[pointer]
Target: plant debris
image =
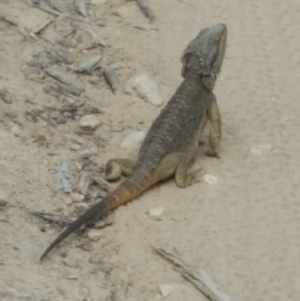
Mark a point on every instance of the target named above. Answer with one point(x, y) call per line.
point(197, 276)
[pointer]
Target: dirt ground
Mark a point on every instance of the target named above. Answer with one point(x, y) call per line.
point(244, 230)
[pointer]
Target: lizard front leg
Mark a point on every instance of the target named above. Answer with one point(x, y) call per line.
point(215, 132)
point(115, 167)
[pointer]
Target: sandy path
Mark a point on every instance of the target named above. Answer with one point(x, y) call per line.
point(244, 230)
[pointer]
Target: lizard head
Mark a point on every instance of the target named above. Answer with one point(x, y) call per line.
point(209, 46)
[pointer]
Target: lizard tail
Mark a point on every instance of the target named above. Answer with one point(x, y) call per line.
point(127, 191)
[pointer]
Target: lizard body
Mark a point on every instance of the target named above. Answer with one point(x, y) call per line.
point(172, 140)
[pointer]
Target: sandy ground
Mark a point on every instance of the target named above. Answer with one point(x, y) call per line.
point(244, 230)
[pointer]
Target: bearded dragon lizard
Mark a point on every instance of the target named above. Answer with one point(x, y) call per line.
point(172, 140)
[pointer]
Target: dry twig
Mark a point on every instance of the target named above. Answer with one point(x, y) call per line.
point(90, 65)
point(112, 79)
point(53, 6)
point(80, 7)
point(48, 217)
point(42, 27)
point(64, 83)
point(4, 19)
point(57, 13)
point(96, 40)
point(144, 7)
point(198, 277)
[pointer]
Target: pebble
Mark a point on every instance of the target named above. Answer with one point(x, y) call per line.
point(166, 290)
point(255, 151)
point(84, 153)
point(82, 206)
point(144, 87)
point(156, 213)
point(210, 179)
point(265, 147)
point(37, 109)
point(89, 122)
point(68, 200)
point(133, 140)
point(16, 130)
point(94, 235)
point(77, 197)
point(71, 263)
point(70, 100)
point(72, 277)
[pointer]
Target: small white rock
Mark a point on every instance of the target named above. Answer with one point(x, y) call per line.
point(265, 147)
point(156, 213)
point(144, 87)
point(133, 140)
point(82, 206)
point(68, 200)
point(166, 290)
point(16, 130)
point(90, 122)
point(255, 151)
point(94, 235)
point(37, 109)
point(77, 197)
point(210, 179)
point(70, 100)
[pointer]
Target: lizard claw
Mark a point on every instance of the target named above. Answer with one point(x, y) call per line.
point(193, 177)
point(112, 171)
point(212, 153)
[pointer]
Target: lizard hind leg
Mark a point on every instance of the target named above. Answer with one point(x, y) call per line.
point(183, 178)
point(116, 167)
point(167, 167)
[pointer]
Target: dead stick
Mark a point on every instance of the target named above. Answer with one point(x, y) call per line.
point(112, 79)
point(57, 13)
point(42, 27)
point(80, 6)
point(144, 7)
point(48, 217)
point(52, 6)
point(4, 19)
point(198, 277)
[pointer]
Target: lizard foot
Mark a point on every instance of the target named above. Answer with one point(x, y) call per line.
point(189, 179)
point(116, 167)
point(112, 171)
point(212, 153)
point(193, 177)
